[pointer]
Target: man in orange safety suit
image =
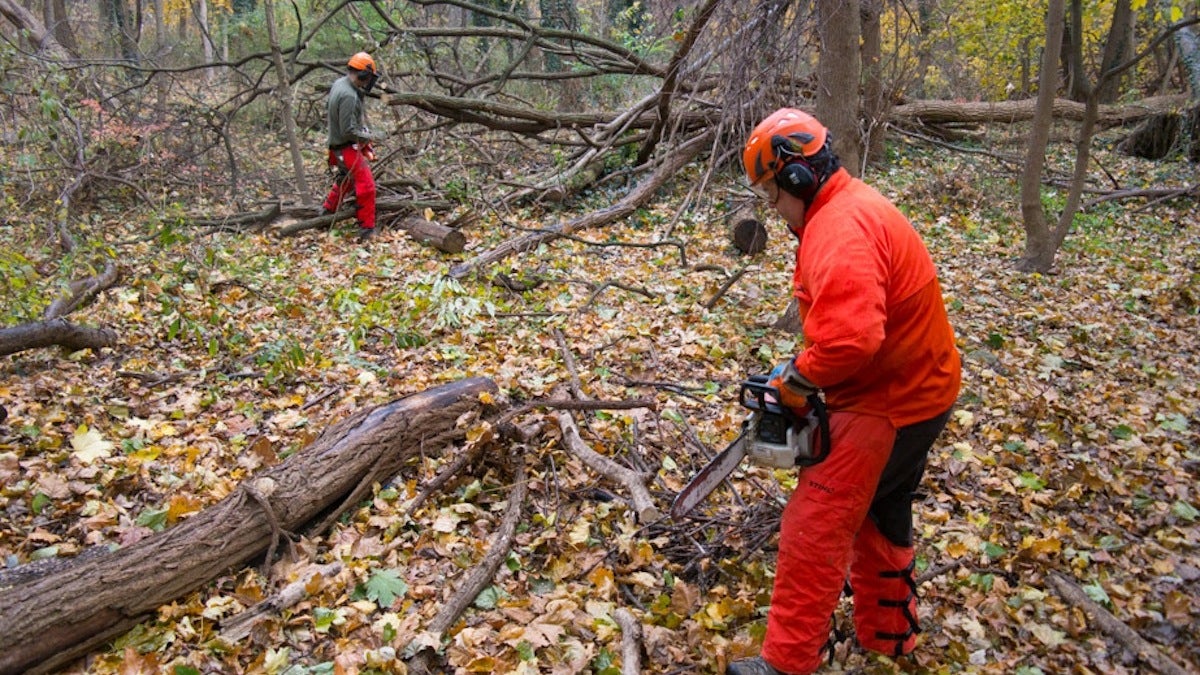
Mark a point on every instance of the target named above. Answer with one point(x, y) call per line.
point(878, 344)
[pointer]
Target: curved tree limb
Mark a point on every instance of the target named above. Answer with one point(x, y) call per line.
point(1112, 626)
point(82, 292)
point(633, 481)
point(627, 205)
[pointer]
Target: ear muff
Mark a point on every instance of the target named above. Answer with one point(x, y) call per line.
point(796, 178)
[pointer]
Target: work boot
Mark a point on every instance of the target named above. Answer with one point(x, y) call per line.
point(365, 234)
point(754, 666)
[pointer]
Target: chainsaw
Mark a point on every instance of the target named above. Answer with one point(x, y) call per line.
point(772, 436)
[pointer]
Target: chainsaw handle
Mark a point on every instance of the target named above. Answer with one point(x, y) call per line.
point(754, 396)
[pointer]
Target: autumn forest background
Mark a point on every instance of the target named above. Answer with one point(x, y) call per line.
point(235, 438)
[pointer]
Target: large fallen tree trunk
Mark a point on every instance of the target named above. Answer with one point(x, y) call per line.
point(51, 620)
point(979, 112)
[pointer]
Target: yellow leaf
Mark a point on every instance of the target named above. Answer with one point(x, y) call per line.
point(1047, 635)
point(428, 213)
point(580, 532)
point(89, 445)
point(276, 660)
point(181, 505)
point(957, 549)
point(603, 583)
point(482, 664)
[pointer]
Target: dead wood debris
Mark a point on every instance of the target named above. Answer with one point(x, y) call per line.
point(1112, 626)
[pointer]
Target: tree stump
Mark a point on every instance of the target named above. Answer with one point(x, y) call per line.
point(1155, 137)
point(789, 322)
point(50, 620)
point(748, 232)
point(446, 239)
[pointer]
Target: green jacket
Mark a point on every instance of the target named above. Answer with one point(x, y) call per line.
point(346, 121)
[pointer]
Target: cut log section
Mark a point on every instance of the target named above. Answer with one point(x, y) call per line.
point(50, 620)
point(748, 232)
point(446, 239)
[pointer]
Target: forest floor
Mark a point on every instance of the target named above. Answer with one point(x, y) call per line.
point(1075, 447)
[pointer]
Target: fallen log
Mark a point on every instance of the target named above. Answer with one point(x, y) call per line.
point(446, 239)
point(383, 207)
point(50, 621)
point(54, 332)
point(978, 112)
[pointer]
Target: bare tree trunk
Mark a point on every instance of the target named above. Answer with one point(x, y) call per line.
point(50, 620)
point(286, 101)
point(205, 37)
point(57, 21)
point(926, 30)
point(1117, 49)
point(1039, 249)
point(875, 103)
point(1189, 52)
point(38, 35)
point(1073, 52)
point(838, 72)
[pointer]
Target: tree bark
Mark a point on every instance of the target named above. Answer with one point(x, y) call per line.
point(944, 112)
point(51, 620)
point(54, 332)
point(286, 95)
point(42, 39)
point(1189, 51)
point(1039, 250)
point(875, 101)
point(439, 236)
point(839, 28)
point(1112, 626)
point(1118, 48)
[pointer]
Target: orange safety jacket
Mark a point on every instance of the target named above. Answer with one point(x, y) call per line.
point(876, 335)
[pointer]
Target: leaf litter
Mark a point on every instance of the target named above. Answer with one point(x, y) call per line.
point(1074, 447)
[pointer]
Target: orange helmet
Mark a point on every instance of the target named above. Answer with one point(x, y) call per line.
point(363, 61)
point(785, 133)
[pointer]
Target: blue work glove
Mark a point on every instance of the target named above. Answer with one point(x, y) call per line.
point(794, 388)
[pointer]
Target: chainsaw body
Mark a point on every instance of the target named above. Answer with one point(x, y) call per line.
point(775, 436)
